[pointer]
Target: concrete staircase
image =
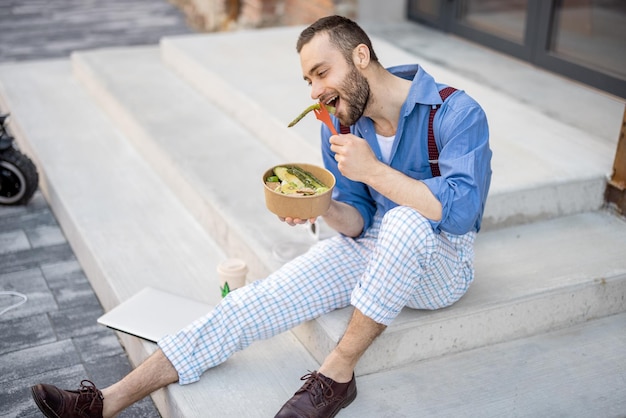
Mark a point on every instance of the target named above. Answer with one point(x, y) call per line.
point(151, 158)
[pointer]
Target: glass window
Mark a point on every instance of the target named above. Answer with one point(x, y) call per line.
point(502, 18)
point(591, 33)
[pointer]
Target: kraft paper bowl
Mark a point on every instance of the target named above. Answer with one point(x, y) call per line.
point(295, 206)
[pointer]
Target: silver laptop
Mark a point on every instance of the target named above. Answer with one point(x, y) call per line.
point(153, 313)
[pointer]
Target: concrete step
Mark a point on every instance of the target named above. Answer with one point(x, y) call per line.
point(543, 167)
point(569, 372)
point(212, 164)
point(255, 382)
point(126, 226)
point(566, 373)
point(529, 279)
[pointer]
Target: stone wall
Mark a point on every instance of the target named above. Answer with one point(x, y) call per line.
point(223, 15)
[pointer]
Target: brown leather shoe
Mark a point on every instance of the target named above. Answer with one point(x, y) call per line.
point(319, 397)
point(86, 402)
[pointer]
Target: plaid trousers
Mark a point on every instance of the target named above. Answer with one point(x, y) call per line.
point(399, 262)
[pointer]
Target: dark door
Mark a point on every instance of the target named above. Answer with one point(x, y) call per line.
point(581, 39)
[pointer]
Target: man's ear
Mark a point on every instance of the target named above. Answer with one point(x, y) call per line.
point(361, 56)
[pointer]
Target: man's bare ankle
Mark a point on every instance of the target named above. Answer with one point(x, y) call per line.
point(336, 368)
point(108, 404)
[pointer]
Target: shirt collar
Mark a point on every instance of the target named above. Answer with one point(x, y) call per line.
point(423, 90)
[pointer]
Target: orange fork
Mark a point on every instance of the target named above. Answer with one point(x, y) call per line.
point(323, 115)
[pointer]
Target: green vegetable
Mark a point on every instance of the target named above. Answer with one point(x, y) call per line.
point(272, 179)
point(283, 174)
point(290, 184)
point(309, 180)
point(294, 180)
point(310, 109)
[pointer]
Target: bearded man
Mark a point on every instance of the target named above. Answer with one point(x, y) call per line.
point(406, 224)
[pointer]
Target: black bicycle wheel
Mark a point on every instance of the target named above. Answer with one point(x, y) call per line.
point(18, 178)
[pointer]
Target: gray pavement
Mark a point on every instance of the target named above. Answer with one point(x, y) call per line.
point(35, 29)
point(54, 335)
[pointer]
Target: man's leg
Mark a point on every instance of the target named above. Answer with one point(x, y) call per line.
point(360, 334)
point(411, 265)
point(153, 374)
point(403, 250)
point(311, 285)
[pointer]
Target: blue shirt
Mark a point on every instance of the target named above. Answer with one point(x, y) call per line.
point(462, 137)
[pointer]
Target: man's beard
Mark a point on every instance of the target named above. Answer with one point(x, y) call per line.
point(356, 94)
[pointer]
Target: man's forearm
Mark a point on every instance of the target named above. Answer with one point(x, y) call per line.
point(344, 219)
point(405, 191)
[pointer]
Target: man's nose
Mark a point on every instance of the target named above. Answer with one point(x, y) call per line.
point(316, 90)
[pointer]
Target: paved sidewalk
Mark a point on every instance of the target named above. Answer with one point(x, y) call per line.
point(36, 29)
point(54, 337)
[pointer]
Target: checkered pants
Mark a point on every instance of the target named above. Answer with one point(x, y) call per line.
point(399, 262)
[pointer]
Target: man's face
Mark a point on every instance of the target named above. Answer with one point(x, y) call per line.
point(333, 80)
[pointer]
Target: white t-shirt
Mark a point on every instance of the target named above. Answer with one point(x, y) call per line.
point(385, 143)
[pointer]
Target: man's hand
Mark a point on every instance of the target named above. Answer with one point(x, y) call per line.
point(354, 156)
point(297, 221)
point(341, 217)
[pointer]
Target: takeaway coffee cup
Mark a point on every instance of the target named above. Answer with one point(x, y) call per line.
point(232, 274)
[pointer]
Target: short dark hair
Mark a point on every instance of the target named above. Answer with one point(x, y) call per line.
point(344, 33)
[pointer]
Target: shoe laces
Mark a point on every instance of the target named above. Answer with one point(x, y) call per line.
point(89, 392)
point(317, 386)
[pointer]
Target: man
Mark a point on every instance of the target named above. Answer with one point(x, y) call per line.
point(406, 235)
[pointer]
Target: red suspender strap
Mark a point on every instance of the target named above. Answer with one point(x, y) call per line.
point(433, 152)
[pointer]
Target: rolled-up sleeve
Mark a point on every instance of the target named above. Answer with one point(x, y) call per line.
point(353, 193)
point(462, 134)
